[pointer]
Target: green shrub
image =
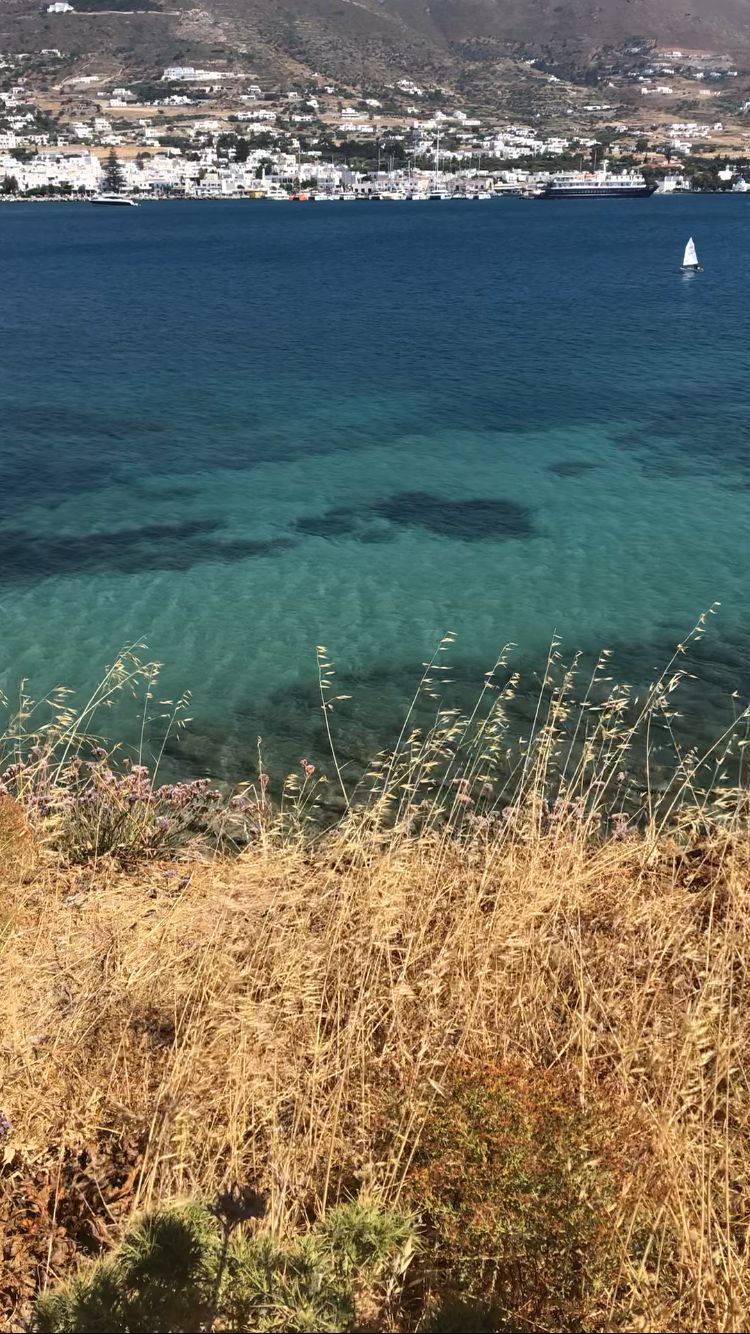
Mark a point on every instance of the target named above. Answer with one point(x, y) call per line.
point(515, 1202)
point(186, 1269)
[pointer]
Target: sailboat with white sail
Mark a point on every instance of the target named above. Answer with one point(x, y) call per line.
point(691, 263)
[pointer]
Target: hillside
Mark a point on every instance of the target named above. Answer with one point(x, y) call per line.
point(527, 1024)
point(356, 41)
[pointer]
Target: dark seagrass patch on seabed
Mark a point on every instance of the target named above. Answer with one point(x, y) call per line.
point(26, 557)
point(463, 520)
point(571, 467)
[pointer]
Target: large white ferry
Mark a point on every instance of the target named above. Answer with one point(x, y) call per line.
point(601, 184)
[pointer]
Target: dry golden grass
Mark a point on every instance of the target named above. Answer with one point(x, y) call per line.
point(248, 1023)
point(257, 1019)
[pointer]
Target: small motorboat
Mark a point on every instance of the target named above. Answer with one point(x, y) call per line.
point(116, 201)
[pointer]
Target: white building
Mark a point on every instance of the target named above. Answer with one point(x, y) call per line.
point(60, 7)
point(176, 73)
point(79, 170)
point(189, 74)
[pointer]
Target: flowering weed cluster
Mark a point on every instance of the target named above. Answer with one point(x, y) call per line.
point(90, 801)
point(90, 810)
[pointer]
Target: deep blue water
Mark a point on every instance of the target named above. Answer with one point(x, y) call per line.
point(240, 430)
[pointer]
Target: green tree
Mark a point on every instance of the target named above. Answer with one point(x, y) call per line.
point(226, 144)
point(10, 185)
point(113, 179)
point(705, 181)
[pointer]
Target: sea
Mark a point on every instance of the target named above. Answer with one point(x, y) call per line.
point(237, 431)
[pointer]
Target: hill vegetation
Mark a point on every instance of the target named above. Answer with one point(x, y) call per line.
point(450, 42)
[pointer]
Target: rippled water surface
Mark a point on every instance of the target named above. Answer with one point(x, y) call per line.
point(240, 430)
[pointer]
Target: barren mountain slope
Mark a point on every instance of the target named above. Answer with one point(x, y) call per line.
point(367, 40)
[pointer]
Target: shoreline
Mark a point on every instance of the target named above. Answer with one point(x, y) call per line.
point(323, 199)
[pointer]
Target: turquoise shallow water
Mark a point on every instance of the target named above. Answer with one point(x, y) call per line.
point(240, 430)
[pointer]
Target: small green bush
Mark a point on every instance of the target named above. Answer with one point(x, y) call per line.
point(181, 1270)
point(515, 1202)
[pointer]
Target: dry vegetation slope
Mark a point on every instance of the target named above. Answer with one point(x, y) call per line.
point(262, 1020)
point(371, 39)
point(442, 25)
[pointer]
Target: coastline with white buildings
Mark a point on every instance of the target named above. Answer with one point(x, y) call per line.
point(201, 133)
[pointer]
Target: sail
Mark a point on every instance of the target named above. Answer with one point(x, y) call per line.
point(691, 255)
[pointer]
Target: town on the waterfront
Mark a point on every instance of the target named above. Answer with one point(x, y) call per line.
point(218, 132)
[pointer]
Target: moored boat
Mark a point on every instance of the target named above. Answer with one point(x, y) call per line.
point(116, 201)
